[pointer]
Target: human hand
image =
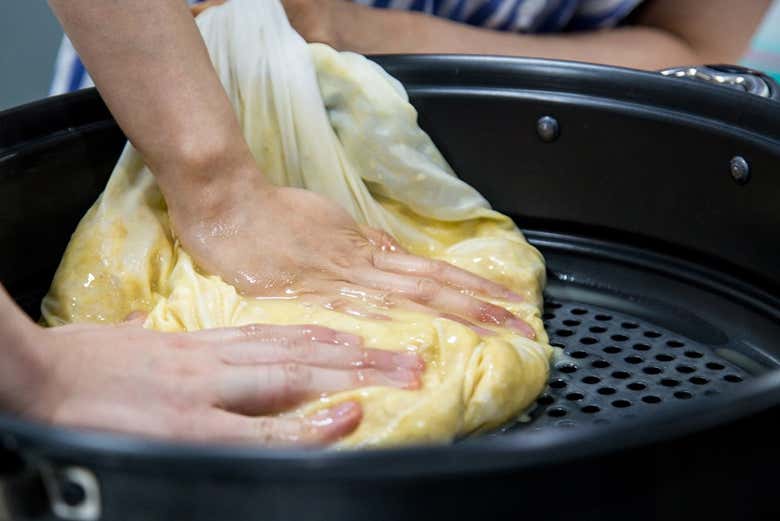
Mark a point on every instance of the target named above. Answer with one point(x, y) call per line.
point(275, 241)
point(211, 385)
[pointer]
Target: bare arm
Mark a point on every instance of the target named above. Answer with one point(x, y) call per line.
point(153, 70)
point(151, 66)
point(667, 33)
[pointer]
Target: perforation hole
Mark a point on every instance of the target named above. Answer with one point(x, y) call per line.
point(557, 412)
point(558, 384)
point(614, 355)
point(545, 399)
point(553, 305)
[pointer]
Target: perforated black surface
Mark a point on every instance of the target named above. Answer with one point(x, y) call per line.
point(616, 367)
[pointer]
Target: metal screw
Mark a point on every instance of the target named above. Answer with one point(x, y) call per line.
point(72, 493)
point(548, 129)
point(740, 170)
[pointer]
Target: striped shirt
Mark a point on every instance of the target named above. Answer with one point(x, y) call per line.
point(526, 16)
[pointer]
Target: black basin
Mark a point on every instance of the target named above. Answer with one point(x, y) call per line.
point(659, 258)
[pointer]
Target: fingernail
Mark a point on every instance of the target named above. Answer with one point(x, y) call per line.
point(408, 360)
point(405, 379)
point(521, 327)
point(513, 297)
point(331, 414)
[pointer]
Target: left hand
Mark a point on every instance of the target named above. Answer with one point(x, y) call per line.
point(273, 241)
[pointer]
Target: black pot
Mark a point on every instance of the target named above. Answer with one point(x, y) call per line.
point(654, 200)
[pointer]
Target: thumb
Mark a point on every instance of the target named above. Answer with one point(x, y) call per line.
point(136, 318)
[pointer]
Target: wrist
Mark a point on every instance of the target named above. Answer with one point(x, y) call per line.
point(22, 349)
point(205, 181)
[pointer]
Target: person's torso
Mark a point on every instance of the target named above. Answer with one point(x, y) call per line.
point(529, 16)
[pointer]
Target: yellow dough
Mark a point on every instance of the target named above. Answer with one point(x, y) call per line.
point(337, 124)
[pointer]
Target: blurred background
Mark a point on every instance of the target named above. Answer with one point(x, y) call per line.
point(30, 37)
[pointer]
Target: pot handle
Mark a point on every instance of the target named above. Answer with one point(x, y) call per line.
point(731, 76)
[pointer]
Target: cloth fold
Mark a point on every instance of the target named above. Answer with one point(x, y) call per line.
point(337, 124)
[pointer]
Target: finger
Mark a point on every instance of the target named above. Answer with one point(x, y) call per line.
point(202, 6)
point(284, 335)
point(324, 427)
point(317, 355)
point(477, 329)
point(136, 318)
point(270, 388)
point(348, 308)
point(387, 300)
point(434, 294)
point(442, 272)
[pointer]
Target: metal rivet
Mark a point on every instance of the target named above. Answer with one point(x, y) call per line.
point(73, 494)
point(548, 129)
point(740, 170)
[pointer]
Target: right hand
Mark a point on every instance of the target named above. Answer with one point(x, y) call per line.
point(211, 385)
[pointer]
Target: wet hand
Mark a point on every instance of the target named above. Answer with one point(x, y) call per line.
point(212, 385)
point(273, 241)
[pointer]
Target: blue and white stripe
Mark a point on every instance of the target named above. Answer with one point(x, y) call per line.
point(525, 16)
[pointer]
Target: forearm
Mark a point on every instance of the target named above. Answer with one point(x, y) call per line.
point(670, 33)
point(153, 70)
point(20, 360)
point(415, 33)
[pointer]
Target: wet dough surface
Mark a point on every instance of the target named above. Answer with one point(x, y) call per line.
point(337, 124)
